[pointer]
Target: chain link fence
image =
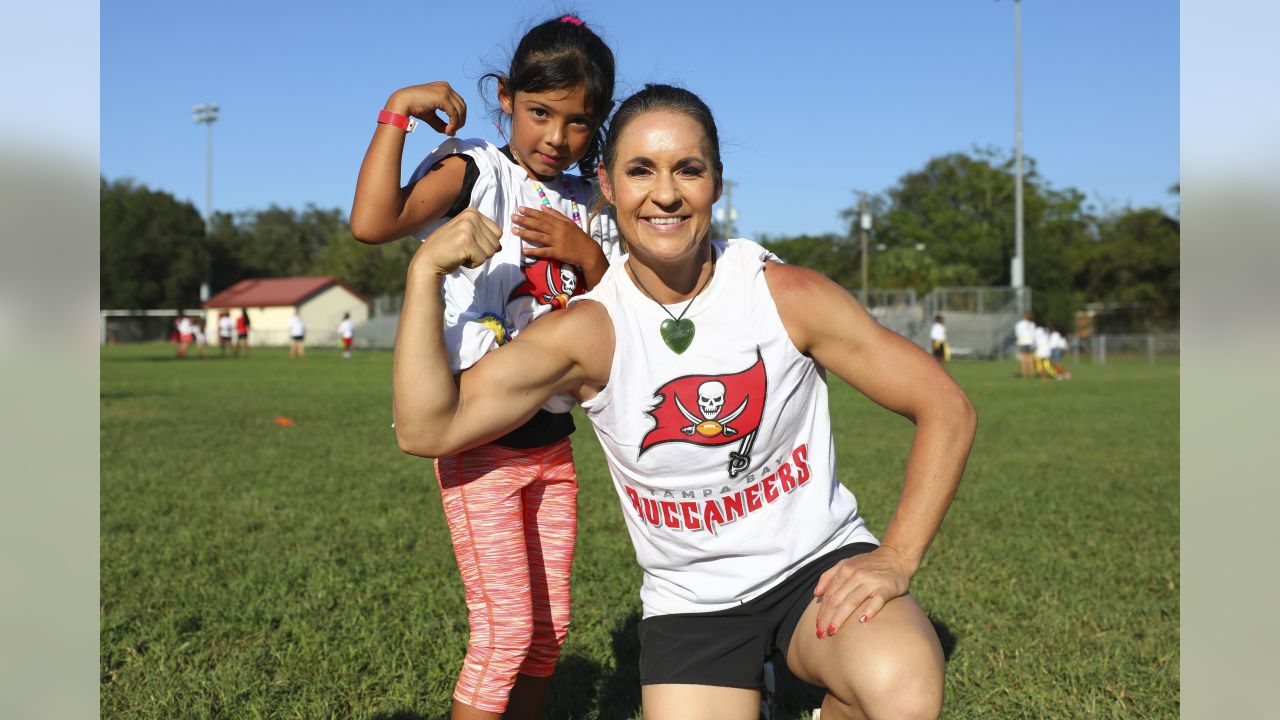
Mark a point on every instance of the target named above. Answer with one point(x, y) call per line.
point(1149, 345)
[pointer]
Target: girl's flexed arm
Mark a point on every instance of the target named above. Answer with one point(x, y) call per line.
point(383, 211)
point(437, 414)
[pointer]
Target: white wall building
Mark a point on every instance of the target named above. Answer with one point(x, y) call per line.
point(270, 302)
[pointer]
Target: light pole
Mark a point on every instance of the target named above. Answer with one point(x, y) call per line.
point(207, 114)
point(728, 214)
point(864, 226)
point(1016, 275)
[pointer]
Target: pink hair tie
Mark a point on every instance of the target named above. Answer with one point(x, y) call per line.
point(572, 20)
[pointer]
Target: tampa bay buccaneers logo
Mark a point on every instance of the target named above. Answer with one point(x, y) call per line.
point(711, 410)
point(549, 282)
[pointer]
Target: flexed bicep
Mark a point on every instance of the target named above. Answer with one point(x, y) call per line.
point(565, 352)
point(828, 324)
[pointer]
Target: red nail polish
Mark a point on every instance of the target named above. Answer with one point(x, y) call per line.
point(819, 633)
point(862, 619)
point(831, 629)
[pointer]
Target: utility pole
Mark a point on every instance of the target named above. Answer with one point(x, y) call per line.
point(1016, 272)
point(863, 225)
point(207, 114)
point(727, 213)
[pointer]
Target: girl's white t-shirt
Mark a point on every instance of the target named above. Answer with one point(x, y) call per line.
point(721, 456)
point(1025, 332)
point(511, 287)
point(1042, 342)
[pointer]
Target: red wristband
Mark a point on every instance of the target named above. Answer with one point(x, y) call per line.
point(406, 124)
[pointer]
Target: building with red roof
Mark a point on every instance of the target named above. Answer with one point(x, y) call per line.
point(270, 302)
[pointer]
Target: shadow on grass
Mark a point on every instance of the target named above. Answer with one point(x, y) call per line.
point(945, 637)
point(580, 686)
point(620, 694)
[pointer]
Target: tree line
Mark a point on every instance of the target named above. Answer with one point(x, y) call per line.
point(153, 249)
point(950, 223)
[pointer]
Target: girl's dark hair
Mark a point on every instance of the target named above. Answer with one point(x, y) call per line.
point(562, 54)
point(668, 98)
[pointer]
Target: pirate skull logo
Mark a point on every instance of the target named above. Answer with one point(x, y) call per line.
point(711, 397)
point(568, 281)
point(568, 286)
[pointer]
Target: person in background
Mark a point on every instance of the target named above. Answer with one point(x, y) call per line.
point(226, 332)
point(184, 334)
point(297, 335)
point(346, 331)
point(1024, 333)
point(1058, 346)
point(201, 340)
point(242, 333)
point(938, 334)
point(1044, 369)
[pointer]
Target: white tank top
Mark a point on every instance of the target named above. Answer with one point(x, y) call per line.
point(721, 456)
point(510, 287)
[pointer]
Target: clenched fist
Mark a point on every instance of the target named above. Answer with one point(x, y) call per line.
point(424, 101)
point(468, 240)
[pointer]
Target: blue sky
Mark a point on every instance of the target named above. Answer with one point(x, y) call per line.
point(814, 101)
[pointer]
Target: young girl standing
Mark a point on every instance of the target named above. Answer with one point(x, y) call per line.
point(511, 504)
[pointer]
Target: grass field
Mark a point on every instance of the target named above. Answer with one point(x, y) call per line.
point(251, 569)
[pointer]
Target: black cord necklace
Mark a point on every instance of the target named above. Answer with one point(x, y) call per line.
point(677, 332)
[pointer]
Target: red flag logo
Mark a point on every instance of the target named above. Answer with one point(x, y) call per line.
point(550, 282)
point(711, 410)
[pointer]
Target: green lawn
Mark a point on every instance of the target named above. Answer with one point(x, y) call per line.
point(251, 569)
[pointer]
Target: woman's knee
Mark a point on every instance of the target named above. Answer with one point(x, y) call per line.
point(904, 687)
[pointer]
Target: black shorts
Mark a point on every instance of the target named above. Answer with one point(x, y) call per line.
point(939, 348)
point(1026, 349)
point(727, 648)
point(297, 338)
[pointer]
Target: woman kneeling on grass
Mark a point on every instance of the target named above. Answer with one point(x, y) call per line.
point(700, 364)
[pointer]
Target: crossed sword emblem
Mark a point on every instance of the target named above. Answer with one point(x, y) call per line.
point(706, 427)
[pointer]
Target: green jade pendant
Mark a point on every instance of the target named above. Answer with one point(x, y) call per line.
point(677, 334)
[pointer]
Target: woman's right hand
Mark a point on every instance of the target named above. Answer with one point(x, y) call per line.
point(423, 101)
point(468, 240)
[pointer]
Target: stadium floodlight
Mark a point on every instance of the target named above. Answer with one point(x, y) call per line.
point(1019, 260)
point(207, 114)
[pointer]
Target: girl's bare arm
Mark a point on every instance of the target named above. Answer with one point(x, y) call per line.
point(383, 211)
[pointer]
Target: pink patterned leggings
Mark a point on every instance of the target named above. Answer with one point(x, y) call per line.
point(512, 516)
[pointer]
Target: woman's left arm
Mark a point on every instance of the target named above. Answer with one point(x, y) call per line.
point(829, 325)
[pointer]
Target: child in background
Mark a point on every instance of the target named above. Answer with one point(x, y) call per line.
point(297, 336)
point(226, 328)
point(1044, 369)
point(938, 336)
point(346, 331)
point(1024, 333)
point(1058, 346)
point(184, 334)
point(242, 332)
point(201, 340)
point(511, 504)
